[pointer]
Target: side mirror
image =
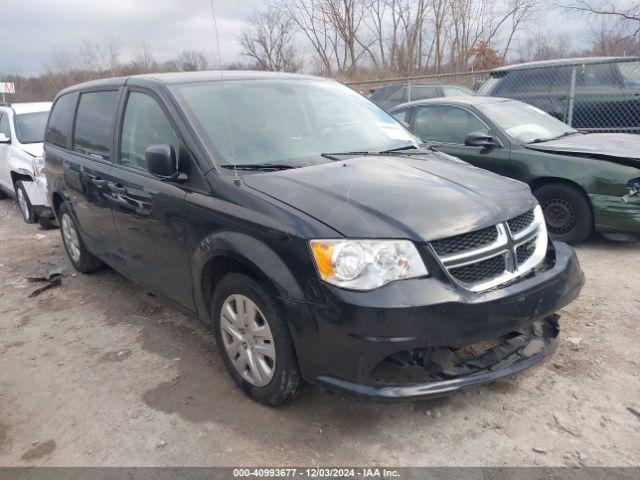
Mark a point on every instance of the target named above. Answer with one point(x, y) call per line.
point(483, 140)
point(161, 160)
point(4, 138)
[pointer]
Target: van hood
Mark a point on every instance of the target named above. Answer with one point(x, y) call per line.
point(621, 148)
point(33, 149)
point(421, 198)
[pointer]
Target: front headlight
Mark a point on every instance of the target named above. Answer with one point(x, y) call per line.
point(38, 166)
point(366, 264)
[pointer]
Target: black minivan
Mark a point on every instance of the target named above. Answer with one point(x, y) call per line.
point(317, 236)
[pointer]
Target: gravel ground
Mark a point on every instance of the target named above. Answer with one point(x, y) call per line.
point(98, 372)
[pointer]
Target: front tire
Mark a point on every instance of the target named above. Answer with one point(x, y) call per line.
point(566, 211)
point(81, 258)
point(254, 340)
point(26, 209)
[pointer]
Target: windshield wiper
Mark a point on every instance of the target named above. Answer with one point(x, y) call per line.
point(258, 166)
point(403, 150)
point(406, 150)
point(564, 134)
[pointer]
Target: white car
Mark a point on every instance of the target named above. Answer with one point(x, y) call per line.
point(22, 128)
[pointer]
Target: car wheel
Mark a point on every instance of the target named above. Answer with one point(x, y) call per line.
point(566, 211)
point(24, 203)
point(254, 340)
point(81, 258)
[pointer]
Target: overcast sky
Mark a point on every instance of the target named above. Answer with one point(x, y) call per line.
point(30, 30)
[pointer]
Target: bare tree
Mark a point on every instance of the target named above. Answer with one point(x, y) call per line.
point(627, 16)
point(521, 12)
point(269, 40)
point(191, 61)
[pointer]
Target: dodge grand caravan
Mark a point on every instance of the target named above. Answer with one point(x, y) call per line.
point(320, 239)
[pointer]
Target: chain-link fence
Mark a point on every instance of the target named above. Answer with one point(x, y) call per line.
point(592, 94)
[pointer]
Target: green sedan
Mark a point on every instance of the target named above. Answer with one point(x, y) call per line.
point(584, 182)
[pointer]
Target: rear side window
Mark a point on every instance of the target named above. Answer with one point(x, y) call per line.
point(60, 121)
point(93, 129)
point(420, 92)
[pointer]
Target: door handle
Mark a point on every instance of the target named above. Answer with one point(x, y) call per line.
point(117, 188)
point(99, 182)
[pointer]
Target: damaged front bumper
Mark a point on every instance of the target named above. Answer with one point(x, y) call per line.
point(616, 214)
point(441, 370)
point(426, 337)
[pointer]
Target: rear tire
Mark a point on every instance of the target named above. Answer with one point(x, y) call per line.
point(81, 258)
point(26, 209)
point(566, 211)
point(278, 377)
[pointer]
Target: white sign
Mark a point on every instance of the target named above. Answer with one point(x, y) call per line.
point(6, 87)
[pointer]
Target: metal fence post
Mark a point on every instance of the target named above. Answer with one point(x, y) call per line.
point(408, 90)
point(572, 92)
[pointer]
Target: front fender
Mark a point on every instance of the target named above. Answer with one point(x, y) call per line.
point(21, 164)
point(248, 251)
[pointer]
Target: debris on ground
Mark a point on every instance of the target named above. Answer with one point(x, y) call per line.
point(539, 450)
point(574, 343)
point(563, 427)
point(48, 273)
point(55, 282)
point(635, 411)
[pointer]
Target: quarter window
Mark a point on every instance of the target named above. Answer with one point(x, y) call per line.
point(144, 125)
point(446, 124)
point(4, 125)
point(60, 121)
point(401, 116)
point(94, 123)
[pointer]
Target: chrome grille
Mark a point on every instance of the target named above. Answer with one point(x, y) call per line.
point(466, 241)
point(520, 222)
point(495, 255)
point(524, 251)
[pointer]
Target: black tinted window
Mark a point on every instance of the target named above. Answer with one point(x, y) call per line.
point(420, 92)
point(446, 124)
point(397, 95)
point(537, 80)
point(60, 121)
point(94, 123)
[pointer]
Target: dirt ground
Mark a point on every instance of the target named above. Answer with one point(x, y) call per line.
point(98, 372)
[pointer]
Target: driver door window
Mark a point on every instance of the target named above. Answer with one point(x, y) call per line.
point(144, 125)
point(446, 124)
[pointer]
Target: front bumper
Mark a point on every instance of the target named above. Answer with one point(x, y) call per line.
point(37, 193)
point(613, 214)
point(348, 335)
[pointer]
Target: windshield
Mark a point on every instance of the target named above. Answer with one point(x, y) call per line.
point(630, 74)
point(288, 122)
point(524, 122)
point(30, 127)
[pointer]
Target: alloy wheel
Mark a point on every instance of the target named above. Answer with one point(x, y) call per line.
point(70, 236)
point(22, 203)
point(248, 340)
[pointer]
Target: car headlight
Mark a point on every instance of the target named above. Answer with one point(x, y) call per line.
point(366, 264)
point(633, 189)
point(38, 166)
